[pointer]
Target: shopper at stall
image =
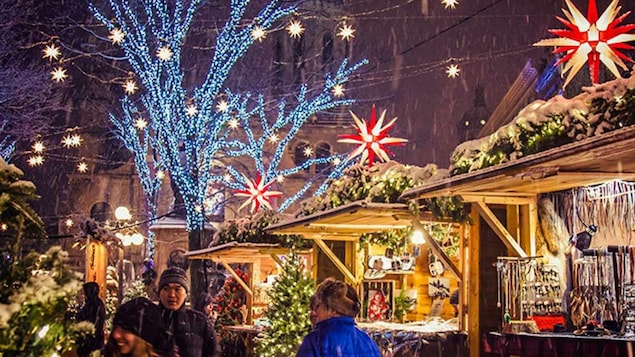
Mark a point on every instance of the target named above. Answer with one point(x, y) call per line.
point(192, 330)
point(137, 331)
point(205, 304)
point(336, 333)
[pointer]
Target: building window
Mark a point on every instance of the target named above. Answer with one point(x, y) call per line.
point(101, 212)
point(299, 157)
point(323, 150)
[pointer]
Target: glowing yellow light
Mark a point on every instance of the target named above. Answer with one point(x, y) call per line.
point(451, 4)
point(338, 90)
point(233, 123)
point(52, 52)
point(58, 74)
point(280, 179)
point(82, 167)
point(130, 86)
point(222, 106)
point(337, 161)
point(191, 110)
point(227, 178)
point(258, 33)
point(295, 29)
point(36, 160)
point(346, 32)
point(141, 123)
point(4, 226)
point(73, 140)
point(38, 147)
point(273, 138)
point(164, 53)
point(116, 36)
point(69, 222)
point(160, 175)
point(452, 71)
point(308, 151)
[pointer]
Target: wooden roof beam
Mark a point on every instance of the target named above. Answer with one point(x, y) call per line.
point(438, 251)
point(499, 229)
point(338, 263)
point(498, 200)
point(237, 277)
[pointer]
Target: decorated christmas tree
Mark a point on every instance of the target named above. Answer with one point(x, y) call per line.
point(228, 305)
point(288, 311)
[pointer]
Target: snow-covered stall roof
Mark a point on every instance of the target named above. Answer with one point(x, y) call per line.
point(235, 252)
point(586, 162)
point(350, 221)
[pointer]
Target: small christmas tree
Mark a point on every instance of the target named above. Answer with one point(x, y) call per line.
point(288, 311)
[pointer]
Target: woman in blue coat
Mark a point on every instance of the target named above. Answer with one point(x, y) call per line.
point(336, 333)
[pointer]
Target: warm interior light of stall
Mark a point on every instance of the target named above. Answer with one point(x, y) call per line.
point(417, 237)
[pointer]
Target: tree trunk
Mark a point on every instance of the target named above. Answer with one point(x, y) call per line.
point(197, 239)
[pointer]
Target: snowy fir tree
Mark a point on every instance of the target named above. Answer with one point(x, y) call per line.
point(189, 132)
point(288, 311)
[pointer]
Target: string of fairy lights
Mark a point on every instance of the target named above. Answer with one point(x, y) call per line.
point(225, 106)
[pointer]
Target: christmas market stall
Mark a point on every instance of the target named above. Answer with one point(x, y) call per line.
point(551, 200)
point(405, 282)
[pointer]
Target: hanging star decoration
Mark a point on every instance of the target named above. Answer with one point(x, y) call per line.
point(295, 29)
point(451, 4)
point(346, 32)
point(116, 36)
point(130, 87)
point(372, 138)
point(593, 39)
point(452, 71)
point(52, 52)
point(257, 193)
point(58, 74)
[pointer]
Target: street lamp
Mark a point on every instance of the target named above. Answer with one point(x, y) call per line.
point(128, 235)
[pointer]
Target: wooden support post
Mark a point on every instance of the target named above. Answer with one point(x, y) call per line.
point(235, 275)
point(473, 284)
point(437, 250)
point(336, 261)
point(499, 229)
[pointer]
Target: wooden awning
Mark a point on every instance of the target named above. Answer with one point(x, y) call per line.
point(587, 162)
point(234, 252)
point(349, 221)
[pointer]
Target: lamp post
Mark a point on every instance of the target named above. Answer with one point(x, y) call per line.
point(127, 235)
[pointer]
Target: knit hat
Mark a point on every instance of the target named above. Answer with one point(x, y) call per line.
point(143, 318)
point(174, 275)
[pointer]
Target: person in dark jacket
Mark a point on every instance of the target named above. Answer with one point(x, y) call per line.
point(93, 311)
point(193, 332)
point(336, 333)
point(138, 331)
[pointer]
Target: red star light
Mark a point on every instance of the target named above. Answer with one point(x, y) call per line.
point(257, 193)
point(593, 39)
point(372, 138)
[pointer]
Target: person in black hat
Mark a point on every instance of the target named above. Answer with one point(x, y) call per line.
point(137, 331)
point(93, 311)
point(193, 332)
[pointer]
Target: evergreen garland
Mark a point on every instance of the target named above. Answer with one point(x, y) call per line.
point(288, 311)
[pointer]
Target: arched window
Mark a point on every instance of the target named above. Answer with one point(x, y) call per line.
point(299, 156)
point(323, 150)
point(101, 212)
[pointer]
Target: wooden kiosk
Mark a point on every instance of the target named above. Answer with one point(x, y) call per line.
point(504, 198)
point(262, 260)
point(336, 236)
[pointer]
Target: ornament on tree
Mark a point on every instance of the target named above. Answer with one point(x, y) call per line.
point(257, 193)
point(372, 138)
point(593, 39)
